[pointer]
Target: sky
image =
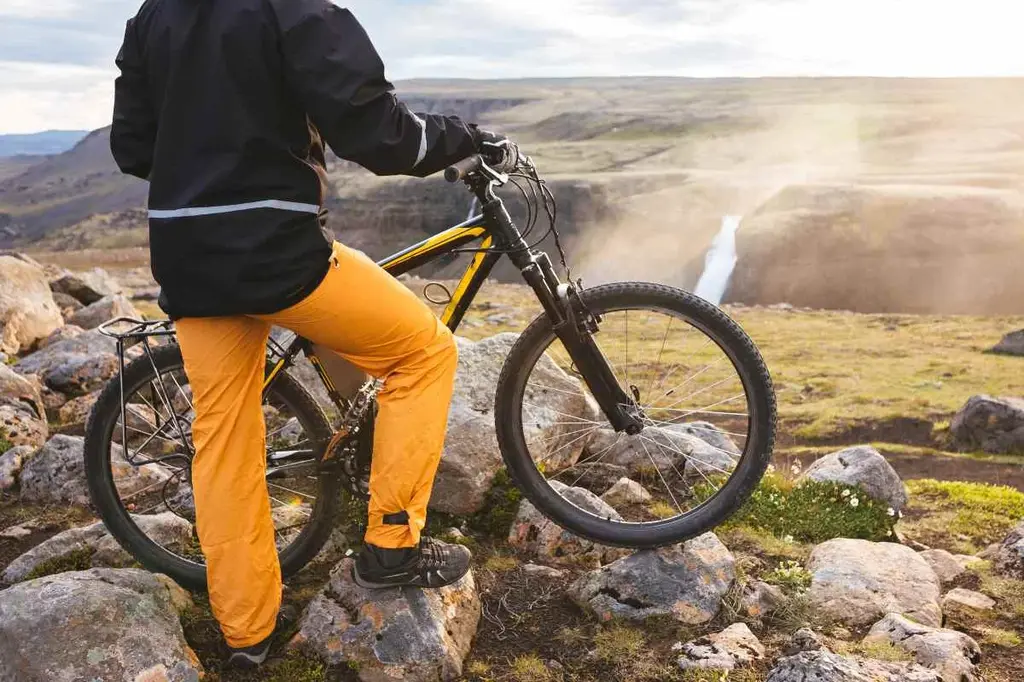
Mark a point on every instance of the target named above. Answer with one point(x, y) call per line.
point(56, 56)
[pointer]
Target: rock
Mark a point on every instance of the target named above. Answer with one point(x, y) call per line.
point(27, 310)
point(759, 599)
point(537, 571)
point(74, 366)
point(68, 331)
point(101, 624)
point(674, 453)
point(709, 433)
point(21, 392)
point(77, 411)
point(952, 654)
point(731, 648)
point(69, 305)
point(57, 473)
point(963, 602)
point(1008, 557)
point(995, 425)
point(804, 639)
point(1012, 344)
point(626, 492)
point(945, 565)
point(533, 533)
point(556, 402)
point(87, 287)
point(19, 427)
point(598, 475)
point(11, 463)
point(104, 310)
point(167, 530)
point(686, 582)
point(15, 532)
point(856, 582)
point(863, 466)
point(391, 634)
point(825, 666)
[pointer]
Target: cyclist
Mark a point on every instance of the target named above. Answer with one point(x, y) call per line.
point(225, 107)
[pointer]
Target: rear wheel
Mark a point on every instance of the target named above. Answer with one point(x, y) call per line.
point(708, 413)
point(143, 492)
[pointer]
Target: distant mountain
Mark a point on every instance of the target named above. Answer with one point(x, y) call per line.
point(36, 144)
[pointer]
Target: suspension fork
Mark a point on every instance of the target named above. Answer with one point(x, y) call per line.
point(572, 323)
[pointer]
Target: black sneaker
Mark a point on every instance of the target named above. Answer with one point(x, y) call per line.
point(254, 656)
point(432, 564)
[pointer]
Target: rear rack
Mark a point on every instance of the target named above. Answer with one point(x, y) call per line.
point(136, 329)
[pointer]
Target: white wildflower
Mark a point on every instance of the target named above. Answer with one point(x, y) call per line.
point(891, 511)
point(788, 538)
point(846, 493)
point(795, 468)
point(854, 501)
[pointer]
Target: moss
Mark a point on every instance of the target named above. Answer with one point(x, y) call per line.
point(5, 444)
point(501, 505)
point(501, 564)
point(618, 645)
point(662, 510)
point(742, 538)
point(790, 576)
point(979, 512)
point(1001, 638)
point(880, 651)
point(529, 668)
point(78, 560)
point(814, 511)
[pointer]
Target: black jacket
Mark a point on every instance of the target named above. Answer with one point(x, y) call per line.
point(224, 106)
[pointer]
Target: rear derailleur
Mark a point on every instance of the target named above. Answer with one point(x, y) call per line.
point(350, 449)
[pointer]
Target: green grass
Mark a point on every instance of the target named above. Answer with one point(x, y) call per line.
point(78, 560)
point(960, 516)
point(880, 651)
point(790, 576)
point(5, 444)
point(529, 668)
point(1001, 638)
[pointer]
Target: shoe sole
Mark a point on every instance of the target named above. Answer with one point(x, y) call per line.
point(370, 585)
point(248, 661)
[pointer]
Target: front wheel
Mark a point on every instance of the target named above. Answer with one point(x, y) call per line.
point(708, 411)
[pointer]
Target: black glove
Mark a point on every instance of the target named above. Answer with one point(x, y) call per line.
point(500, 153)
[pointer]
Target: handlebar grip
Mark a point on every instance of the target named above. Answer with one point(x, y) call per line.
point(458, 171)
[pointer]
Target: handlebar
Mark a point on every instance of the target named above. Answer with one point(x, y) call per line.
point(459, 171)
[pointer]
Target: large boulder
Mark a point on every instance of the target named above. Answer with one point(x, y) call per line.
point(856, 582)
point(86, 287)
point(104, 310)
point(75, 366)
point(11, 463)
point(391, 634)
point(167, 530)
point(1009, 558)
point(22, 392)
point(57, 473)
point(534, 534)
point(102, 624)
point(22, 427)
point(952, 654)
point(1012, 344)
point(994, 425)
point(729, 649)
point(686, 582)
point(557, 418)
point(27, 310)
point(709, 433)
point(672, 451)
point(863, 466)
point(825, 666)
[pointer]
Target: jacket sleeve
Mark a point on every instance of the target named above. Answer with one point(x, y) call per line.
point(339, 78)
point(133, 132)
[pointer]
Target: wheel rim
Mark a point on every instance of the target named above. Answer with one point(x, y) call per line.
point(699, 419)
point(151, 477)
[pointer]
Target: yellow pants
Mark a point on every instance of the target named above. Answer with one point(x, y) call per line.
point(381, 327)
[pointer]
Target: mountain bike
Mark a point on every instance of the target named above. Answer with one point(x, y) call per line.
point(633, 414)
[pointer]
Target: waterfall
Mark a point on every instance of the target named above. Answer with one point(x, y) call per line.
point(720, 262)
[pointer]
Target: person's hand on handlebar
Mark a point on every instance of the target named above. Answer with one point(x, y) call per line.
point(498, 151)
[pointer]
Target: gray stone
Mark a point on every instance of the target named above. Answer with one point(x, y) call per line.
point(391, 634)
point(709, 433)
point(104, 310)
point(69, 305)
point(1011, 344)
point(994, 425)
point(1008, 557)
point(804, 639)
point(856, 582)
point(760, 599)
point(863, 466)
point(87, 287)
point(21, 392)
point(686, 582)
point(76, 410)
point(952, 654)
point(167, 530)
point(27, 310)
point(74, 366)
point(673, 452)
point(557, 421)
point(11, 463)
point(825, 666)
point(57, 473)
point(534, 534)
point(947, 566)
point(626, 492)
point(537, 571)
point(68, 331)
point(102, 624)
point(729, 649)
point(969, 603)
point(21, 427)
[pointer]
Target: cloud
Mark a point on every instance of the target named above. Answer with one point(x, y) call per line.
point(58, 54)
